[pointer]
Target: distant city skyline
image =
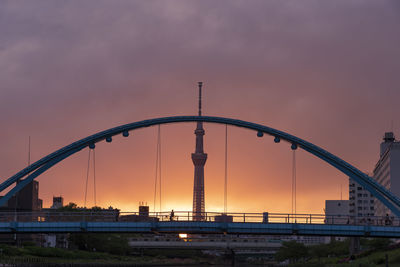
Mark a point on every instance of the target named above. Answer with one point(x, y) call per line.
point(323, 71)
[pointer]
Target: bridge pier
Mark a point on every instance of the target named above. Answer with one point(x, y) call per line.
point(354, 245)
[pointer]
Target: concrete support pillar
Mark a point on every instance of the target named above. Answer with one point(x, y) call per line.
point(354, 245)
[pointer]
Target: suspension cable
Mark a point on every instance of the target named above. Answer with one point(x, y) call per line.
point(94, 177)
point(226, 171)
point(159, 160)
point(87, 178)
point(157, 179)
point(294, 185)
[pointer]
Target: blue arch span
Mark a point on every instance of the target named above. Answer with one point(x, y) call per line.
point(40, 166)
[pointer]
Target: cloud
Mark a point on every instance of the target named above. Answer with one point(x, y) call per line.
point(324, 70)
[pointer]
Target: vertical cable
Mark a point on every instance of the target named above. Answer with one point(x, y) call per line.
point(156, 178)
point(29, 151)
point(294, 181)
point(87, 178)
point(226, 171)
point(159, 160)
point(94, 177)
point(341, 195)
point(293, 156)
point(292, 212)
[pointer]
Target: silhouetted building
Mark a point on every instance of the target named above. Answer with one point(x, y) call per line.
point(143, 209)
point(27, 199)
point(58, 202)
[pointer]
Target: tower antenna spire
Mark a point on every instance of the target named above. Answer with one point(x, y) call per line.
point(200, 86)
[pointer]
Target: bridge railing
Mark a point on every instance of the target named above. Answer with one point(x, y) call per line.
point(115, 215)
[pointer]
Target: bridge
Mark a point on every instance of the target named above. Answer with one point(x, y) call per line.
point(311, 227)
point(215, 223)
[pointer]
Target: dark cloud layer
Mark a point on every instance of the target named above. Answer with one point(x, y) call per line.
point(326, 71)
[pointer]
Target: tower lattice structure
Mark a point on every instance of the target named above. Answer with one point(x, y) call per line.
point(199, 159)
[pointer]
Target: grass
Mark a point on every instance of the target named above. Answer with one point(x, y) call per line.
point(32, 254)
point(376, 258)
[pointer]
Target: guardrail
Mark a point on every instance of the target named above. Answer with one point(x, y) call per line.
point(113, 215)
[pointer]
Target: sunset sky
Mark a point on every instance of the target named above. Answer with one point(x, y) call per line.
point(325, 71)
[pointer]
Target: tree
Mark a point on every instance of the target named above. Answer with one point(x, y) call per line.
point(110, 243)
point(319, 251)
point(291, 251)
point(70, 207)
point(378, 243)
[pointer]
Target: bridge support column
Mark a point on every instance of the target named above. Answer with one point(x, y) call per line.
point(354, 245)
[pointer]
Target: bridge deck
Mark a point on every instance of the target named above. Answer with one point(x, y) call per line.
point(202, 227)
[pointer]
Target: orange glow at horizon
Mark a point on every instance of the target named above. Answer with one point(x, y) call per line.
point(125, 173)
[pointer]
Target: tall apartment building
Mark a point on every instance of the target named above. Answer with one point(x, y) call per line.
point(387, 170)
point(361, 203)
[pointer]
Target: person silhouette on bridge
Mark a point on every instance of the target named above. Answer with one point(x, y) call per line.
point(171, 218)
point(387, 220)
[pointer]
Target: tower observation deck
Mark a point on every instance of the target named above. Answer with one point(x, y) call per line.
point(199, 159)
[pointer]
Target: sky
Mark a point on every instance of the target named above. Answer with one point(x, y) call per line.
point(325, 71)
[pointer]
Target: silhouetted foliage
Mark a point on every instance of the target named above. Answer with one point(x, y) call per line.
point(74, 207)
point(319, 251)
point(291, 251)
point(110, 243)
point(334, 248)
point(378, 243)
point(70, 207)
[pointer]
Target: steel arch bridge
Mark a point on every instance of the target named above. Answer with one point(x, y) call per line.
point(31, 172)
